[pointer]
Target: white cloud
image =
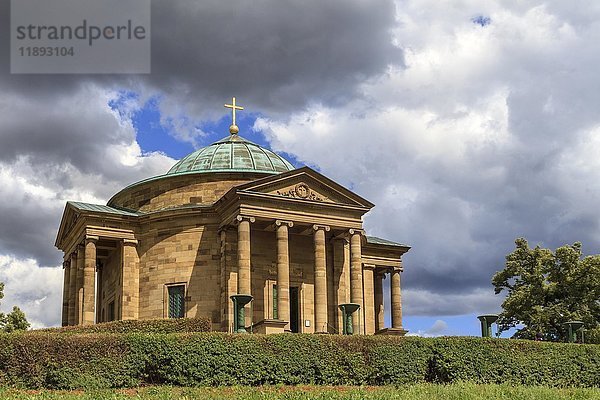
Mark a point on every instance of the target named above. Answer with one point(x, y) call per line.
point(36, 290)
point(439, 328)
point(489, 133)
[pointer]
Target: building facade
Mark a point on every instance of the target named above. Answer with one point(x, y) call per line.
point(231, 218)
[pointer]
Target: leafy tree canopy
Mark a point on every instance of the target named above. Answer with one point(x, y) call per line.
point(544, 289)
point(13, 321)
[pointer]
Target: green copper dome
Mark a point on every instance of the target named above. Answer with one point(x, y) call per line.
point(232, 154)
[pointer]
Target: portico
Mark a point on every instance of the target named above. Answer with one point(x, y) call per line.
point(101, 277)
point(316, 250)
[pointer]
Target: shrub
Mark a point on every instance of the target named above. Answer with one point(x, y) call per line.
point(592, 336)
point(50, 360)
point(180, 325)
point(55, 360)
point(515, 362)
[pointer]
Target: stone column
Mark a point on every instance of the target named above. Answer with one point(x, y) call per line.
point(79, 298)
point(356, 282)
point(396, 300)
point(320, 279)
point(131, 280)
point(244, 278)
point(66, 287)
point(89, 280)
point(369, 299)
point(379, 311)
point(244, 285)
point(283, 272)
point(72, 288)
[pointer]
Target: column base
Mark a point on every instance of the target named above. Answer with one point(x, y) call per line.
point(392, 331)
point(269, 326)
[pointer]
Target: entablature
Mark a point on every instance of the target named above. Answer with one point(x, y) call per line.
point(98, 233)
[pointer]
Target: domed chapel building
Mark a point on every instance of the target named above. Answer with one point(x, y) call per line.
point(230, 221)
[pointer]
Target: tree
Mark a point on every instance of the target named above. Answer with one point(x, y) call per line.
point(544, 289)
point(13, 321)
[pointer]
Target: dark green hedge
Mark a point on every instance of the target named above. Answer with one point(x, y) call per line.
point(55, 360)
point(181, 325)
point(516, 362)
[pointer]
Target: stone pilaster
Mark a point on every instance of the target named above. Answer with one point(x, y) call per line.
point(369, 299)
point(79, 299)
point(66, 288)
point(341, 273)
point(229, 275)
point(320, 279)
point(89, 278)
point(379, 311)
point(283, 271)
point(356, 281)
point(131, 280)
point(73, 289)
point(99, 283)
point(396, 300)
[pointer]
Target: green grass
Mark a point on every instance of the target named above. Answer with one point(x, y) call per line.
point(466, 391)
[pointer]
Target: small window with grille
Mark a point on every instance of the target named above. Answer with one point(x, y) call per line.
point(176, 301)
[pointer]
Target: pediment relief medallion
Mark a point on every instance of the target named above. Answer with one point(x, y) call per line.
point(301, 191)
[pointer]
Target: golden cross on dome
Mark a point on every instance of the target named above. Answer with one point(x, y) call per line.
point(233, 129)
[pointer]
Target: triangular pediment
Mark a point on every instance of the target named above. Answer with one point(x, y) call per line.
point(305, 184)
point(68, 221)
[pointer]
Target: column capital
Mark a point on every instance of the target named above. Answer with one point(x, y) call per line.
point(241, 218)
point(317, 227)
point(343, 237)
point(369, 266)
point(380, 271)
point(130, 242)
point(356, 232)
point(279, 222)
point(91, 238)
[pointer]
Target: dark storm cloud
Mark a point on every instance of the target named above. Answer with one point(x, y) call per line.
point(28, 229)
point(277, 56)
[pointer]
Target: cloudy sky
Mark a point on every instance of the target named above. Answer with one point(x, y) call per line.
point(468, 124)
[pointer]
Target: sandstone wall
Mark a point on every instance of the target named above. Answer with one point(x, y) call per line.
point(179, 190)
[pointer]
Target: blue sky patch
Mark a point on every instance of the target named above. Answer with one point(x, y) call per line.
point(481, 20)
